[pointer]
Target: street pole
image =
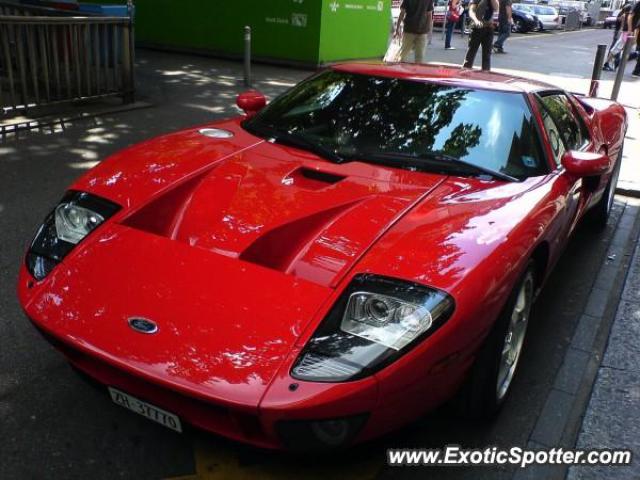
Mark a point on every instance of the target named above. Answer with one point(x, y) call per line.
point(130, 58)
point(247, 57)
point(623, 64)
point(597, 70)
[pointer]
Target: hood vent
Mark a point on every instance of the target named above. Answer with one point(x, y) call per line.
point(279, 248)
point(310, 179)
point(162, 216)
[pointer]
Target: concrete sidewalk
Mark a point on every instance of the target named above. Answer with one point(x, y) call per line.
point(612, 419)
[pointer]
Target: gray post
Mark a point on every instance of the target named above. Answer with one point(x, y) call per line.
point(247, 57)
point(623, 64)
point(597, 70)
point(129, 57)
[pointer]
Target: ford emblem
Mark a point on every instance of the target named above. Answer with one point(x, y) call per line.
point(143, 325)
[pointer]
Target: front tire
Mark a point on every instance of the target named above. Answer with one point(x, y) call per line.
point(492, 374)
point(517, 27)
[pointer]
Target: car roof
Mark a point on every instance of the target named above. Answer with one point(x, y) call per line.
point(445, 74)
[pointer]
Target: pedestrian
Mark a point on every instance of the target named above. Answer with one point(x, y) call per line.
point(505, 21)
point(621, 22)
point(481, 14)
point(454, 12)
point(463, 18)
point(634, 29)
point(415, 16)
point(620, 38)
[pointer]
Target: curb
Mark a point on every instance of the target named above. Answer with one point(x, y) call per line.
point(628, 192)
point(560, 420)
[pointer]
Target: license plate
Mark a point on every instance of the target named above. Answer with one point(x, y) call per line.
point(145, 409)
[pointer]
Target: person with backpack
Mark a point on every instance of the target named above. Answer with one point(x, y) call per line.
point(454, 11)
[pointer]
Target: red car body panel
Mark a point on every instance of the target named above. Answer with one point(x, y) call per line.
point(238, 249)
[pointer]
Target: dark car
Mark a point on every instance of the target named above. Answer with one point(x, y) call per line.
point(523, 20)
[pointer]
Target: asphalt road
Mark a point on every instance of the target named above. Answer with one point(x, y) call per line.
point(54, 425)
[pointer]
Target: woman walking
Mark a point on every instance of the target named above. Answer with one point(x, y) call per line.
point(454, 11)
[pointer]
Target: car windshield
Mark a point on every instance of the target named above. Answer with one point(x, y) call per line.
point(386, 120)
point(544, 11)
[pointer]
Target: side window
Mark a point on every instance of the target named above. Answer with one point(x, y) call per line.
point(555, 138)
point(571, 127)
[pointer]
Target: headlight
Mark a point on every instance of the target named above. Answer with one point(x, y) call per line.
point(77, 215)
point(74, 222)
point(375, 320)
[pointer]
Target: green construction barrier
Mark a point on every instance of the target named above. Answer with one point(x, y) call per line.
point(308, 32)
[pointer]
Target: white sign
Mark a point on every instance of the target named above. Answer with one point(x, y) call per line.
point(299, 20)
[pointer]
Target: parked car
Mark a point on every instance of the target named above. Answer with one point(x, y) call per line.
point(611, 20)
point(524, 20)
point(548, 17)
point(331, 266)
point(565, 6)
point(439, 11)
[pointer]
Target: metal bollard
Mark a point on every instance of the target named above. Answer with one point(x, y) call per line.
point(597, 70)
point(130, 95)
point(247, 57)
point(623, 64)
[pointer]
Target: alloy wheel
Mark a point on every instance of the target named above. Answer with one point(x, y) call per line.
point(514, 338)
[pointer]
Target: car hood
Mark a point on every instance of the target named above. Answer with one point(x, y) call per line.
point(251, 200)
point(233, 252)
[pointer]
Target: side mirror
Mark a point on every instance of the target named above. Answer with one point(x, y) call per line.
point(586, 164)
point(251, 102)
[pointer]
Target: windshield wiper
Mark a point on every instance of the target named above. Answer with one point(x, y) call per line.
point(434, 160)
point(298, 141)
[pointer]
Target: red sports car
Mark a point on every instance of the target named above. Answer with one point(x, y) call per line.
point(331, 266)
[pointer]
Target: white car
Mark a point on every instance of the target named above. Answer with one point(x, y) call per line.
point(548, 16)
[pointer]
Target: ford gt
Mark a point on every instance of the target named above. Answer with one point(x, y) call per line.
point(330, 266)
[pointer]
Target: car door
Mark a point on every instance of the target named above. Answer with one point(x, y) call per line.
point(565, 131)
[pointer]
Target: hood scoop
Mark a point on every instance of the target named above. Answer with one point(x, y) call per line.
point(162, 216)
point(285, 213)
point(279, 248)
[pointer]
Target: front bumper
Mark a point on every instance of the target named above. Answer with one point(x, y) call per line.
point(550, 25)
point(264, 428)
point(281, 416)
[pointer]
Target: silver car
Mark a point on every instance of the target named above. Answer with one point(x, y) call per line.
point(548, 16)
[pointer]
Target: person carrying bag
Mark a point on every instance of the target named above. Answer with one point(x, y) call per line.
point(454, 11)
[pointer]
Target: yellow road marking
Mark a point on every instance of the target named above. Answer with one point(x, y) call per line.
point(215, 461)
